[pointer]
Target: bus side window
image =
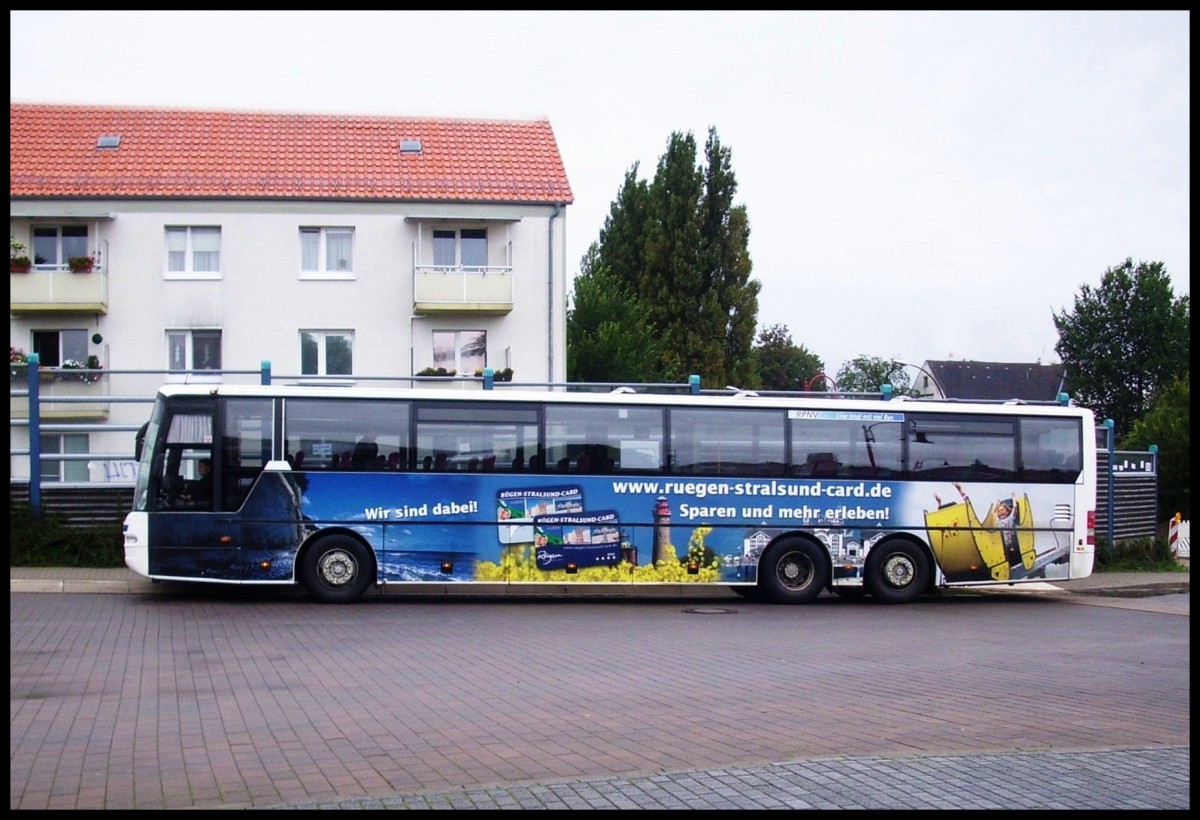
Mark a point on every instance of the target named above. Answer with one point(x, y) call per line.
point(363, 457)
point(820, 465)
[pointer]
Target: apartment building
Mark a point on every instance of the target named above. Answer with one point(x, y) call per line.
point(331, 247)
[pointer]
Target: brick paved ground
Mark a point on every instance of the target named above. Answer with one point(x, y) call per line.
point(226, 698)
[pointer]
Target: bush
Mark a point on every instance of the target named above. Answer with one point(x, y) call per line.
point(51, 542)
point(1136, 555)
point(504, 375)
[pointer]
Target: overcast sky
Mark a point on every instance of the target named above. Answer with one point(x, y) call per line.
point(919, 185)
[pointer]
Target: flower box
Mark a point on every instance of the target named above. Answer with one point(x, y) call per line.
point(81, 264)
point(18, 262)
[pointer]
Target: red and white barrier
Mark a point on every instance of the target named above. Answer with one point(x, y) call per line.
point(1179, 538)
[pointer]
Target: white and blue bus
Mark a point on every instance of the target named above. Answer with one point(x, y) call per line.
point(344, 489)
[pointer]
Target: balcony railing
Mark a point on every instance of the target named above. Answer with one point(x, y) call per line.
point(63, 395)
point(58, 289)
point(470, 290)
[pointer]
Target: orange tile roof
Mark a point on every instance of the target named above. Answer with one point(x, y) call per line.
point(231, 154)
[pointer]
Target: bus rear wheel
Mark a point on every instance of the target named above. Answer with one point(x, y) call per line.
point(897, 571)
point(793, 571)
point(336, 570)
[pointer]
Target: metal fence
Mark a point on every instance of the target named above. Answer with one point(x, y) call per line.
point(1126, 506)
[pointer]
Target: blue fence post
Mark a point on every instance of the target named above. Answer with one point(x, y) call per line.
point(489, 378)
point(694, 384)
point(1110, 427)
point(35, 436)
point(265, 370)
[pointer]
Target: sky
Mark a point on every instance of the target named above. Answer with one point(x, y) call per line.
point(919, 185)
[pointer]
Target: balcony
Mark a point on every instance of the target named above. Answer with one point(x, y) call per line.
point(439, 289)
point(59, 400)
point(58, 289)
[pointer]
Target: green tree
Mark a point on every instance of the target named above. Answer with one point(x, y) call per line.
point(671, 282)
point(610, 337)
point(1125, 341)
point(1168, 424)
point(730, 303)
point(622, 245)
point(680, 247)
point(866, 374)
point(779, 364)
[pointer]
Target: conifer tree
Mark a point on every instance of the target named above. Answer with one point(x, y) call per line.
point(679, 246)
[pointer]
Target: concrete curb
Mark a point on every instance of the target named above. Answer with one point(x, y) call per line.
point(124, 581)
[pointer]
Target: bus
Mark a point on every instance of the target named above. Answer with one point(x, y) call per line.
point(346, 489)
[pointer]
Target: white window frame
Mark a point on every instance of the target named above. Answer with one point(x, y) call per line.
point(64, 246)
point(322, 339)
point(183, 246)
point(319, 257)
point(57, 471)
point(459, 262)
point(181, 344)
point(460, 340)
point(75, 351)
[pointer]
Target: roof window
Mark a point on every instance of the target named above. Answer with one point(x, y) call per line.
point(410, 146)
point(109, 141)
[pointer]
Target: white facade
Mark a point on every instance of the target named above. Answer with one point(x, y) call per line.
point(390, 298)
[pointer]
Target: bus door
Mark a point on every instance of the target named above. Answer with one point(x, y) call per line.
point(182, 492)
point(247, 444)
point(260, 510)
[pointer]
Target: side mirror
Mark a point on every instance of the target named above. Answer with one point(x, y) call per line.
point(139, 442)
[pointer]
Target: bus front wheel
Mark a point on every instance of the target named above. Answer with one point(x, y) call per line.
point(793, 571)
point(336, 570)
point(897, 571)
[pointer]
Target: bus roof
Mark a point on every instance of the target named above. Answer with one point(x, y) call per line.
point(858, 403)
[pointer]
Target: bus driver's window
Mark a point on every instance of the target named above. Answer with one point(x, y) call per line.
point(189, 441)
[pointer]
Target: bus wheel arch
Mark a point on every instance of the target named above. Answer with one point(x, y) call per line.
point(336, 567)
point(794, 569)
point(898, 571)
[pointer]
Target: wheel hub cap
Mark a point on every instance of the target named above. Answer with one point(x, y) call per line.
point(337, 568)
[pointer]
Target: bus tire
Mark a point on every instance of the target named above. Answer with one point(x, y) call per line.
point(337, 569)
point(897, 571)
point(793, 570)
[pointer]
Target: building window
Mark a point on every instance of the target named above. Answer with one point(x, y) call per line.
point(194, 251)
point(463, 351)
point(326, 352)
point(466, 248)
point(57, 346)
point(327, 250)
point(53, 246)
point(194, 349)
point(55, 470)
